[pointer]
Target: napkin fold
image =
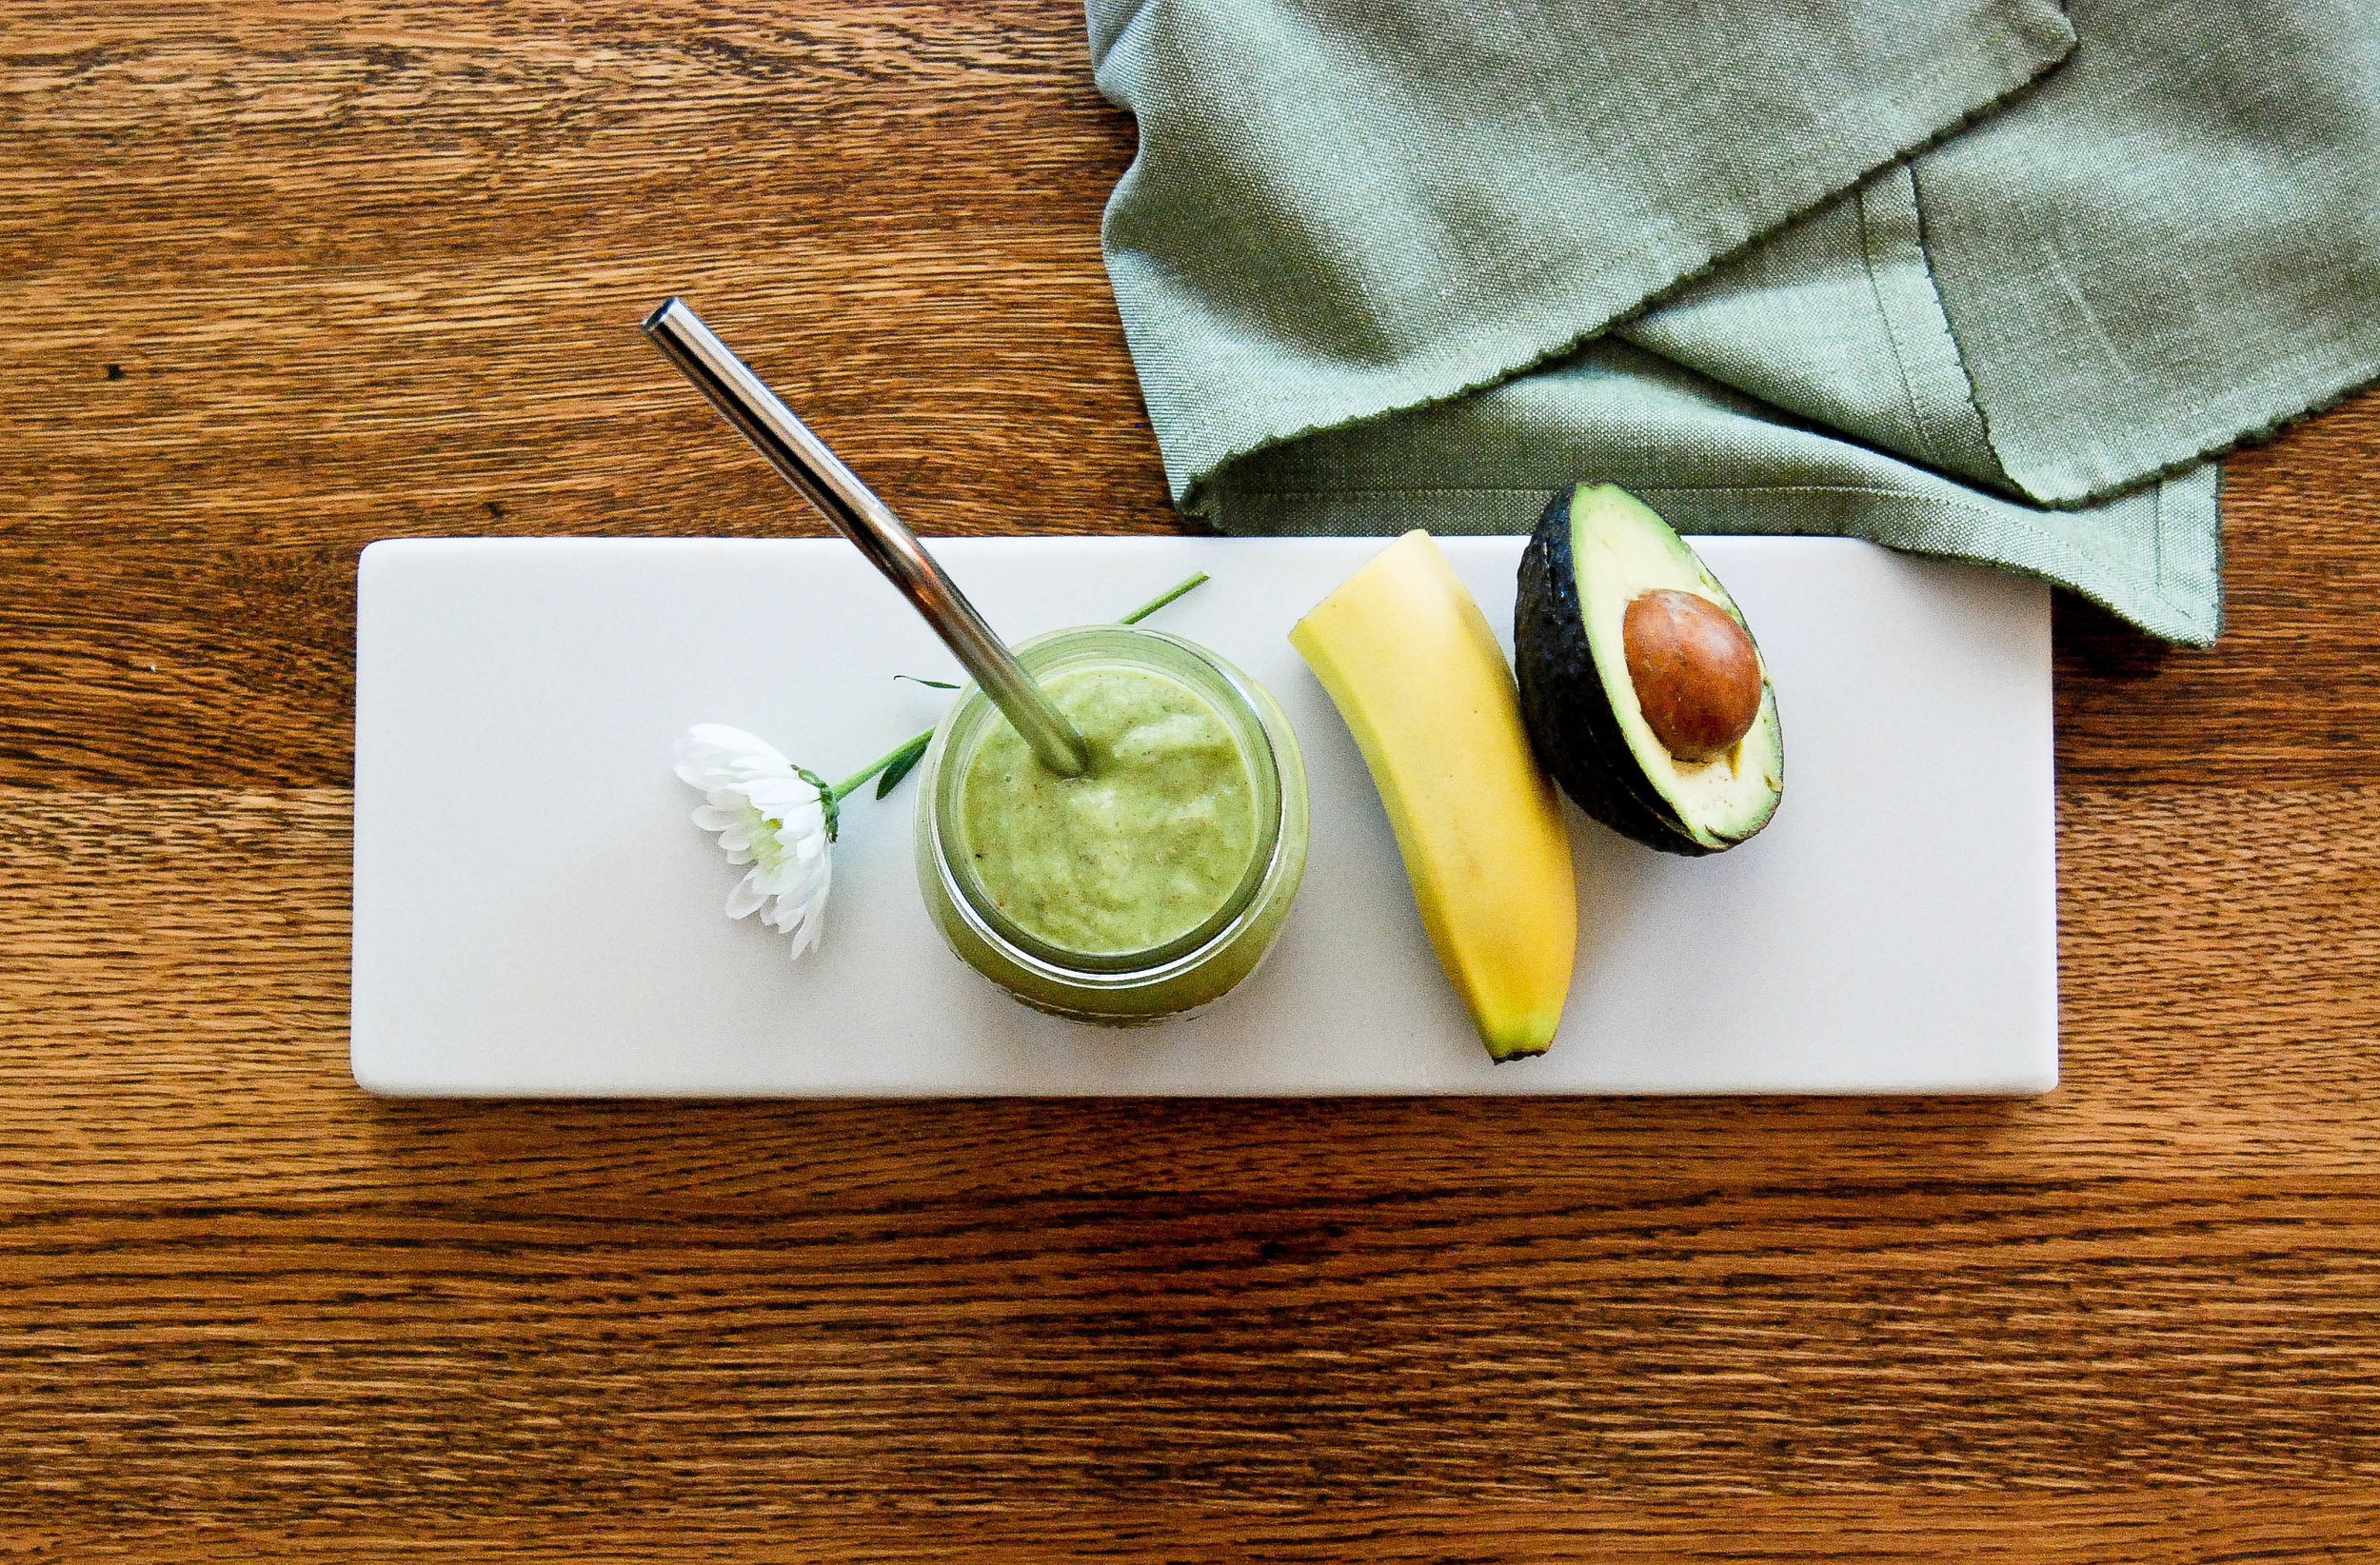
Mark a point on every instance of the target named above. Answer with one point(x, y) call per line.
point(1982, 278)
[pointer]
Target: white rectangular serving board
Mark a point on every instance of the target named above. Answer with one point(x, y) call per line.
point(536, 915)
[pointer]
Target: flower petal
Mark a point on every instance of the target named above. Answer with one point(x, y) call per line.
point(813, 925)
point(711, 755)
point(803, 922)
point(783, 798)
point(745, 897)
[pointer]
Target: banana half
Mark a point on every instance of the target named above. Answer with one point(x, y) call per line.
point(1414, 669)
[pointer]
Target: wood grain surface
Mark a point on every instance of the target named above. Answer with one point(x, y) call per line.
point(286, 278)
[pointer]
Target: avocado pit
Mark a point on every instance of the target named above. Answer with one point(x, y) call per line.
point(1697, 674)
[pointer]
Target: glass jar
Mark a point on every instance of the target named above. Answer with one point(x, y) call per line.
point(1023, 934)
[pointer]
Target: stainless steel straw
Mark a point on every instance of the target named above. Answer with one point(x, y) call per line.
point(809, 466)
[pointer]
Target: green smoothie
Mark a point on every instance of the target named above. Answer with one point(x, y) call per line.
point(1153, 843)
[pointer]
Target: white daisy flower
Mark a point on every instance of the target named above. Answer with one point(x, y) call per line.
point(770, 814)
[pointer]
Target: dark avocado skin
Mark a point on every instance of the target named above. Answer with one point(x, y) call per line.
point(1570, 721)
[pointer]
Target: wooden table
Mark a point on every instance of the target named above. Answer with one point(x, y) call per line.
point(284, 278)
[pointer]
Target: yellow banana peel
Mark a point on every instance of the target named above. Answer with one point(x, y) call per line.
point(1414, 669)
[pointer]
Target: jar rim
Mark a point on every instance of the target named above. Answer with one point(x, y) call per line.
point(1209, 678)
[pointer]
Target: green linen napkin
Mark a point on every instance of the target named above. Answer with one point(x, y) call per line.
point(1778, 270)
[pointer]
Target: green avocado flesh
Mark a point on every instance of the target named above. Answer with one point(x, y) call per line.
point(1598, 549)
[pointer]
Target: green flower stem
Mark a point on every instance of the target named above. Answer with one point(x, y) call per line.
point(897, 761)
point(905, 750)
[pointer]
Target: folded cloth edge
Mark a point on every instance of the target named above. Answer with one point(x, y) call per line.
point(2182, 604)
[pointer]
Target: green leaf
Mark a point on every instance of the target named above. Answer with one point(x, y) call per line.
point(903, 761)
point(1163, 598)
point(939, 684)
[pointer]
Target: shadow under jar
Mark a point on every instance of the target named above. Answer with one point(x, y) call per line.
point(1145, 889)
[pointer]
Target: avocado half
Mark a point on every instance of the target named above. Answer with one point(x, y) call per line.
point(1595, 550)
